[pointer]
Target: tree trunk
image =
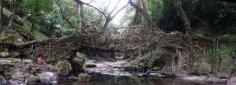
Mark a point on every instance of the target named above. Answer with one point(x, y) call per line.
point(12, 17)
point(1, 9)
point(183, 16)
point(108, 19)
point(112, 15)
point(140, 7)
point(81, 14)
point(138, 15)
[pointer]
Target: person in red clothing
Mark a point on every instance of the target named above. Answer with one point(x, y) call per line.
point(41, 61)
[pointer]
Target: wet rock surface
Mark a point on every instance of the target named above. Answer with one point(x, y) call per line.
point(107, 68)
point(231, 81)
point(4, 62)
point(3, 81)
point(118, 68)
point(48, 78)
point(205, 79)
point(63, 68)
point(4, 54)
point(32, 79)
point(25, 72)
point(84, 77)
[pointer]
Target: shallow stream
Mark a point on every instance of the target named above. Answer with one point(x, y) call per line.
point(98, 79)
point(112, 73)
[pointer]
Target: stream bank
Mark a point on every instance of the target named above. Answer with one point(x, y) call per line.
point(118, 72)
point(100, 64)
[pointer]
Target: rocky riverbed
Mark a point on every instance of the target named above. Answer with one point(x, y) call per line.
point(25, 72)
point(122, 68)
point(16, 71)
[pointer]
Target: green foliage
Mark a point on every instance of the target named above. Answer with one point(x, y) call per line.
point(34, 11)
point(216, 16)
point(36, 6)
point(127, 18)
point(56, 17)
point(224, 51)
point(91, 15)
point(220, 58)
point(156, 8)
point(53, 21)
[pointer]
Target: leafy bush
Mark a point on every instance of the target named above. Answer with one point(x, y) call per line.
point(220, 57)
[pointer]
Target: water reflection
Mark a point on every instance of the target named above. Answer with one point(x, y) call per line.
point(114, 80)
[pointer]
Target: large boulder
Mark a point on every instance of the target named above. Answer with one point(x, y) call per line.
point(78, 63)
point(3, 80)
point(12, 38)
point(63, 68)
point(202, 68)
point(90, 64)
point(231, 81)
point(48, 78)
point(4, 54)
point(156, 58)
point(79, 59)
point(18, 75)
point(32, 80)
point(5, 62)
point(84, 77)
point(80, 55)
point(18, 78)
point(223, 75)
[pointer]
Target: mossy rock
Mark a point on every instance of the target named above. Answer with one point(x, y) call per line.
point(2, 80)
point(84, 77)
point(79, 59)
point(8, 72)
point(156, 68)
point(4, 54)
point(63, 68)
point(233, 70)
point(202, 68)
point(34, 71)
point(80, 55)
point(156, 58)
point(11, 38)
point(78, 63)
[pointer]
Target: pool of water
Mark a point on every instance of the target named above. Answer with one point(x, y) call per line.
point(98, 79)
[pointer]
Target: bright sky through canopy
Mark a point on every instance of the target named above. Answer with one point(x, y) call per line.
point(110, 5)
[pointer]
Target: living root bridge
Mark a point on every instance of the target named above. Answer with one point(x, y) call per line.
point(55, 49)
